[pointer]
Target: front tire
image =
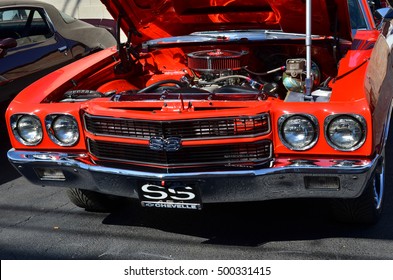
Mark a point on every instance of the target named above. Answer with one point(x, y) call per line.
point(94, 201)
point(367, 208)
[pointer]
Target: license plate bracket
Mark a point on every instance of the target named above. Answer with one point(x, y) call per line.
point(170, 195)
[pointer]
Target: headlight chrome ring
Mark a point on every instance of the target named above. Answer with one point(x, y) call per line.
point(345, 132)
point(298, 132)
point(62, 129)
point(27, 129)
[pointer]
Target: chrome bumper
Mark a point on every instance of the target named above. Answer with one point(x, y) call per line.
point(284, 179)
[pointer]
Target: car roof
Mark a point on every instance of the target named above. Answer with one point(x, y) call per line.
point(4, 3)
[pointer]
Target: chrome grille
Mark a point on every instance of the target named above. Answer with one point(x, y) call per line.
point(201, 155)
point(185, 129)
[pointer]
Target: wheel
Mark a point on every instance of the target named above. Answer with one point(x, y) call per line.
point(94, 201)
point(367, 208)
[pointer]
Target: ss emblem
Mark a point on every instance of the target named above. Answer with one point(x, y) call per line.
point(179, 193)
point(171, 144)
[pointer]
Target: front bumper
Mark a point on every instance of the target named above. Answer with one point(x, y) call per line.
point(284, 179)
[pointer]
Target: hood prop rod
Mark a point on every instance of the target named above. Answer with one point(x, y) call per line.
point(125, 50)
point(309, 78)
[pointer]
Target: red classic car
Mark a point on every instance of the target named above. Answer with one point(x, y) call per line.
point(216, 101)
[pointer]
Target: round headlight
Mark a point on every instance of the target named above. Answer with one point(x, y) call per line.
point(62, 129)
point(298, 132)
point(27, 129)
point(345, 132)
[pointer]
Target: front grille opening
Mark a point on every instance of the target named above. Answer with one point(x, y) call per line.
point(223, 155)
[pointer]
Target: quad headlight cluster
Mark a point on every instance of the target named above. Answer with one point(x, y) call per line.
point(61, 128)
point(343, 132)
point(298, 132)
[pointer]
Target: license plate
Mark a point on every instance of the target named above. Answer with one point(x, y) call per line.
point(173, 195)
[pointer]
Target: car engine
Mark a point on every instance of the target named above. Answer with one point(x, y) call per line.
point(226, 71)
point(219, 72)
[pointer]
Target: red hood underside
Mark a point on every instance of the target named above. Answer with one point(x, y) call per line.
point(165, 18)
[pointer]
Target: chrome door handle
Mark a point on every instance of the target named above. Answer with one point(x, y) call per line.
point(62, 49)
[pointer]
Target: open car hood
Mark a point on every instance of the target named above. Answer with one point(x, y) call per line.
point(155, 19)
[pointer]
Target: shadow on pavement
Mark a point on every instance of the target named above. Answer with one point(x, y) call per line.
point(253, 224)
point(7, 172)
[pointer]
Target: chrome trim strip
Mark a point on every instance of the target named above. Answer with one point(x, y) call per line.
point(205, 37)
point(284, 179)
point(387, 126)
point(70, 160)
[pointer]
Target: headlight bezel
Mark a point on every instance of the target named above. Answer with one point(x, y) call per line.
point(359, 118)
point(16, 119)
point(51, 119)
point(311, 118)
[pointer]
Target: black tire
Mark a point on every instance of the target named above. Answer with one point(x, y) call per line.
point(94, 201)
point(367, 208)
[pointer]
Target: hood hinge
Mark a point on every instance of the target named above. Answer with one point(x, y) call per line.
point(128, 54)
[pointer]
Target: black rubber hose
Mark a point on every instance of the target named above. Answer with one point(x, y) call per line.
point(160, 83)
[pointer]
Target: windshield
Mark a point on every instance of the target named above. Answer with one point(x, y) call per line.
point(357, 16)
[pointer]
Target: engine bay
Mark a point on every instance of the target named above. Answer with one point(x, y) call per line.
point(250, 71)
point(225, 71)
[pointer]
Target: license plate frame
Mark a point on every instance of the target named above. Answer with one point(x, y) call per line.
point(169, 195)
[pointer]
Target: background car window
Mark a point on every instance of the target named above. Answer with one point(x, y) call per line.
point(25, 25)
point(12, 15)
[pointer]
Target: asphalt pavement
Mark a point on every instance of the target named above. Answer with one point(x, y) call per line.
point(41, 223)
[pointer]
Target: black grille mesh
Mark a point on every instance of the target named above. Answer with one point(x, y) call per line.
point(209, 154)
point(185, 129)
